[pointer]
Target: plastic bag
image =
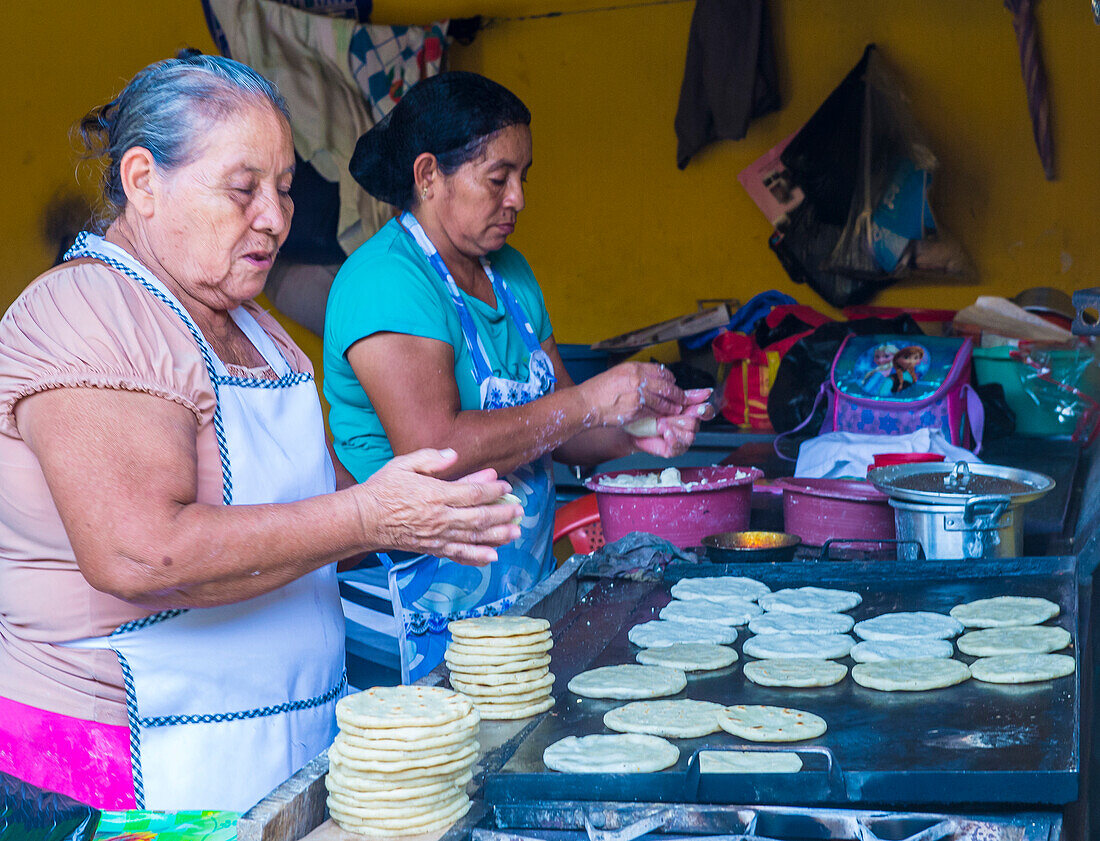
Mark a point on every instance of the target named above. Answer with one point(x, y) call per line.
point(1056, 380)
point(866, 172)
point(889, 201)
point(137, 825)
point(29, 813)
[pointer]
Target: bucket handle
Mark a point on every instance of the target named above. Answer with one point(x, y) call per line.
point(919, 556)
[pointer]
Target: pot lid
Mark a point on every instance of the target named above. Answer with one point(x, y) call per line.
point(854, 490)
point(955, 482)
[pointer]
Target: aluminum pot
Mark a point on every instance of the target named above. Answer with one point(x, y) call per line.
point(960, 510)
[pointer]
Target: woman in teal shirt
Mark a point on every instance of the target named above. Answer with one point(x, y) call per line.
point(436, 334)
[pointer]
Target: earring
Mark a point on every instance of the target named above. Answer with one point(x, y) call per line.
point(424, 192)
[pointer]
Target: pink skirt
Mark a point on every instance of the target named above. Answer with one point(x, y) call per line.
point(83, 759)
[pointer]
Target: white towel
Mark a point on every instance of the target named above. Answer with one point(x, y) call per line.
point(840, 455)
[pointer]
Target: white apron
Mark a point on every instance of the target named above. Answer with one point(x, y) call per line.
point(225, 703)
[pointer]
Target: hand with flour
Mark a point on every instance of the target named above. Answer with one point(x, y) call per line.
point(407, 507)
point(643, 398)
point(670, 435)
point(631, 391)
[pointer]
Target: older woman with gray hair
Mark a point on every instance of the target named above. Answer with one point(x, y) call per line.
point(170, 514)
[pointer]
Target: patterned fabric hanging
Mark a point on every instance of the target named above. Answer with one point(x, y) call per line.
point(1035, 80)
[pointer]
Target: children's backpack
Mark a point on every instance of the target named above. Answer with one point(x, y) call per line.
point(892, 385)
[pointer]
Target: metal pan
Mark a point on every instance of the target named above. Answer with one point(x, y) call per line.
point(733, 547)
point(889, 749)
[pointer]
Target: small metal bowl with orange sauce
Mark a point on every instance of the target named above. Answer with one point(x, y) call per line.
point(731, 547)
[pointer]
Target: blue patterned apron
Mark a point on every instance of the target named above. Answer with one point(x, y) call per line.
point(428, 592)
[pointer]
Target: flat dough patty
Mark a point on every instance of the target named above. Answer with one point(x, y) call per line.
point(900, 626)
point(704, 611)
point(810, 600)
point(917, 648)
point(910, 675)
point(684, 719)
point(801, 623)
point(1005, 612)
point(689, 656)
point(665, 632)
point(1022, 668)
point(748, 762)
point(999, 642)
point(812, 646)
point(622, 753)
point(802, 673)
point(628, 681)
point(724, 586)
point(759, 723)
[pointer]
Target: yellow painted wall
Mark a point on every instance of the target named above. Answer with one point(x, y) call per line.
point(620, 238)
point(57, 63)
point(617, 235)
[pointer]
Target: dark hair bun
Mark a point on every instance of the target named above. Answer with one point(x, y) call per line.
point(442, 115)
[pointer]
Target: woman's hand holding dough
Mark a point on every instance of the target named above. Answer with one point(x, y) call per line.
point(403, 506)
point(631, 391)
point(672, 435)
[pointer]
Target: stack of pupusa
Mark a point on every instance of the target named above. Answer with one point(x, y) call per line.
point(401, 761)
point(502, 664)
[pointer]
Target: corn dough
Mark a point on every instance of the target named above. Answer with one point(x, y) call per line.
point(625, 753)
point(719, 587)
point(802, 673)
point(684, 719)
point(628, 681)
point(810, 600)
point(910, 675)
point(759, 723)
point(1022, 668)
point(689, 656)
point(1005, 611)
point(666, 632)
point(1031, 639)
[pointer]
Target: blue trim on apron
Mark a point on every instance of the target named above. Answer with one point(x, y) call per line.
point(293, 730)
point(429, 592)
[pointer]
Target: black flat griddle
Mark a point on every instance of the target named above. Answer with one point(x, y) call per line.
point(975, 743)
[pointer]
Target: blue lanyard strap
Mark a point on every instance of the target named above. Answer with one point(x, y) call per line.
point(482, 371)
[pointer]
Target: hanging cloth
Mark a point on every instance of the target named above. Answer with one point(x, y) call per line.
point(730, 75)
point(1035, 80)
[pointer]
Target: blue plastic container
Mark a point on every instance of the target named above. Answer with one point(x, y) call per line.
point(582, 362)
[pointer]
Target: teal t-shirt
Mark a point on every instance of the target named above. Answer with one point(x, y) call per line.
point(388, 285)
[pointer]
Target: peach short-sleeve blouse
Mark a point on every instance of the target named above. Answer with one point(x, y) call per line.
point(84, 325)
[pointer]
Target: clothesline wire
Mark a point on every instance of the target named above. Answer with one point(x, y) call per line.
point(616, 7)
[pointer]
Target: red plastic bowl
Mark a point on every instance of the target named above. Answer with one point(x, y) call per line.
point(682, 515)
point(842, 509)
point(888, 459)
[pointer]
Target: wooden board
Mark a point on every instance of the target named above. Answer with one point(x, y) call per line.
point(665, 331)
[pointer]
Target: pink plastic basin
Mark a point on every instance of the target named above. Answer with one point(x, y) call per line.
point(682, 515)
point(844, 509)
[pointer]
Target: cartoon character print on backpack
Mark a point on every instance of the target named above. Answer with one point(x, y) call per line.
point(887, 368)
point(877, 380)
point(908, 365)
point(896, 384)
